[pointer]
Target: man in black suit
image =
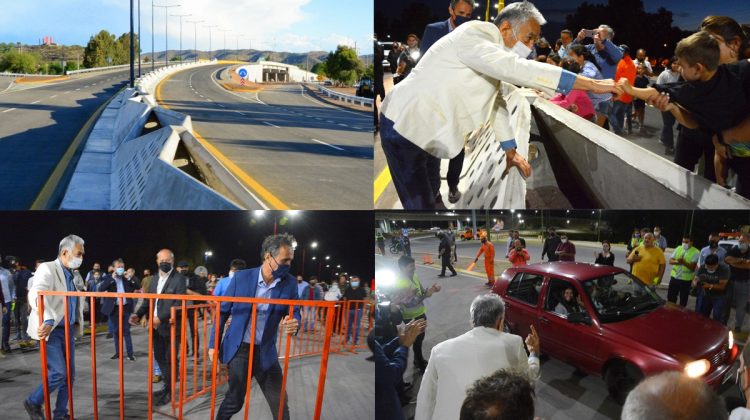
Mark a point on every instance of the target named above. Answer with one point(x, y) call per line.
point(110, 306)
point(196, 285)
point(169, 282)
point(460, 12)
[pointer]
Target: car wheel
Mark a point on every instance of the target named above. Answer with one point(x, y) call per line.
point(621, 377)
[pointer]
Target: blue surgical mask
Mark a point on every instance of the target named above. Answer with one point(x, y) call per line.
point(281, 270)
point(355, 284)
point(120, 271)
point(459, 20)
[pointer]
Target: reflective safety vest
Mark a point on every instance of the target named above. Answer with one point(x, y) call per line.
point(681, 272)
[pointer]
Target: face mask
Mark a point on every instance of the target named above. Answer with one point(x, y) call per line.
point(637, 235)
point(281, 270)
point(564, 241)
point(710, 271)
point(165, 267)
point(458, 20)
point(75, 263)
point(713, 244)
point(685, 246)
point(520, 49)
point(484, 241)
point(657, 233)
point(119, 271)
point(355, 284)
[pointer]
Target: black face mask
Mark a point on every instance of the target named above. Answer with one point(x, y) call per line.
point(713, 244)
point(165, 267)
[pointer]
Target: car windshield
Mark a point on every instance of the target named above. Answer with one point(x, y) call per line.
point(620, 296)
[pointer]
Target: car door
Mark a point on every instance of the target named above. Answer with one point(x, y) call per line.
point(575, 343)
point(521, 302)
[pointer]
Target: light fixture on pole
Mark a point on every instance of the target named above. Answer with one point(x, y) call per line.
point(237, 50)
point(225, 38)
point(166, 30)
point(206, 256)
point(209, 39)
point(181, 16)
point(195, 29)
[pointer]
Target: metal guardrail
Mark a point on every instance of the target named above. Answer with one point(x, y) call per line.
point(346, 98)
point(147, 83)
point(97, 69)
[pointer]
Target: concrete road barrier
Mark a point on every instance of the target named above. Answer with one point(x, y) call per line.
point(346, 98)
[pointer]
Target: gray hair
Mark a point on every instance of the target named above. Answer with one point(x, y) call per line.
point(200, 269)
point(454, 3)
point(673, 395)
point(487, 310)
point(69, 242)
point(518, 13)
point(272, 244)
point(609, 30)
point(171, 254)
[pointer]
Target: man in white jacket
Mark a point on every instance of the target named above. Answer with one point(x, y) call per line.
point(58, 276)
point(457, 363)
point(451, 92)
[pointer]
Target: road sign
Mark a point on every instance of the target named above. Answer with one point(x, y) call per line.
point(243, 73)
point(242, 81)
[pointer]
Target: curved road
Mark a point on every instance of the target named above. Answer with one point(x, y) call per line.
point(37, 125)
point(303, 153)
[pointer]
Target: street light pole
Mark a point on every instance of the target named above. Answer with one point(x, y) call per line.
point(209, 39)
point(237, 51)
point(181, 16)
point(225, 38)
point(139, 38)
point(166, 31)
point(195, 28)
point(132, 48)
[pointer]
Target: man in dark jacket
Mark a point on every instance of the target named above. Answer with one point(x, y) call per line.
point(551, 242)
point(118, 283)
point(445, 251)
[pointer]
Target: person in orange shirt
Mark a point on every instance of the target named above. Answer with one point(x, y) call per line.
point(518, 256)
point(489, 259)
point(622, 107)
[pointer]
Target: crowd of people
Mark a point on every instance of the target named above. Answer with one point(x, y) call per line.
point(19, 303)
point(704, 88)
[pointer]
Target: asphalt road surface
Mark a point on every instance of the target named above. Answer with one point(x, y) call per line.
point(37, 125)
point(305, 153)
point(562, 392)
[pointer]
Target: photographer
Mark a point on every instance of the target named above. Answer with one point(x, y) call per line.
point(711, 279)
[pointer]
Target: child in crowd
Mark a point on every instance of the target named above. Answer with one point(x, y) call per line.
point(639, 105)
point(577, 101)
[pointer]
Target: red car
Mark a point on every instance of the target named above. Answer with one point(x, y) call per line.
point(623, 331)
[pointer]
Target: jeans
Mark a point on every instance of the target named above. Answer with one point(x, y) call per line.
point(21, 318)
point(6, 327)
point(57, 378)
point(678, 286)
point(414, 171)
point(310, 314)
point(269, 382)
point(617, 117)
point(157, 371)
point(125, 331)
point(741, 292)
point(667, 129)
point(110, 324)
point(354, 313)
point(711, 304)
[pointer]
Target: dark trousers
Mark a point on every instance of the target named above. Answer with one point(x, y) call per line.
point(690, 146)
point(21, 317)
point(269, 382)
point(741, 166)
point(446, 261)
point(126, 311)
point(455, 166)
point(667, 129)
point(162, 347)
point(419, 360)
point(193, 327)
point(708, 304)
point(413, 170)
point(681, 287)
point(57, 373)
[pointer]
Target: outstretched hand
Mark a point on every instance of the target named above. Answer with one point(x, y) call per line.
point(606, 86)
point(514, 159)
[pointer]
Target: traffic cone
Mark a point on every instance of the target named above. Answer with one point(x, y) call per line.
point(471, 266)
point(427, 259)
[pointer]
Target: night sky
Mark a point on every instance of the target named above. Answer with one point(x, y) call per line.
point(346, 236)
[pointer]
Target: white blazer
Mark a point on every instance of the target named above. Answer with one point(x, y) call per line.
point(453, 87)
point(457, 363)
point(49, 276)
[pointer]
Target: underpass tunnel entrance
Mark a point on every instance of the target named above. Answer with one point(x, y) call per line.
point(275, 74)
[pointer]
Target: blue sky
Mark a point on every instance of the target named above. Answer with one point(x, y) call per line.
point(290, 25)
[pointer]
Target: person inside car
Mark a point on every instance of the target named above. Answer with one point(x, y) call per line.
point(569, 303)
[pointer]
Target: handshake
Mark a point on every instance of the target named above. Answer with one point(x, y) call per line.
point(653, 97)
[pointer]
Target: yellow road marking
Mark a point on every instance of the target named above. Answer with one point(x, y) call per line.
point(270, 199)
point(41, 202)
point(381, 182)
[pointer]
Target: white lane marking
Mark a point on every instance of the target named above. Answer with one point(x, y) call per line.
point(230, 92)
point(8, 110)
point(201, 95)
point(343, 125)
point(66, 92)
point(53, 97)
point(35, 102)
point(78, 89)
point(239, 112)
point(268, 123)
point(331, 122)
point(329, 145)
point(221, 105)
point(318, 118)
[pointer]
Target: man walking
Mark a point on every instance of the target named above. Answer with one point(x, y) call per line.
point(57, 276)
point(110, 307)
point(269, 281)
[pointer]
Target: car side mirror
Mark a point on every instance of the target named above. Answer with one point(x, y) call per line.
point(579, 318)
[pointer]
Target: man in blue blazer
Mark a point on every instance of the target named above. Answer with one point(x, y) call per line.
point(460, 12)
point(117, 283)
point(269, 281)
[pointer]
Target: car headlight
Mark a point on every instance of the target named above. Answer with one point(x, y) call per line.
point(697, 368)
point(731, 340)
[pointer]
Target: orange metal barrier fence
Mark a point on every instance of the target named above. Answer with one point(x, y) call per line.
point(305, 345)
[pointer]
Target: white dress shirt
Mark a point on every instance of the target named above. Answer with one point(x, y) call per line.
point(455, 365)
point(160, 286)
point(452, 90)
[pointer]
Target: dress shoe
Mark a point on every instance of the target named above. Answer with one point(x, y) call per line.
point(454, 196)
point(116, 356)
point(34, 411)
point(131, 358)
point(164, 399)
